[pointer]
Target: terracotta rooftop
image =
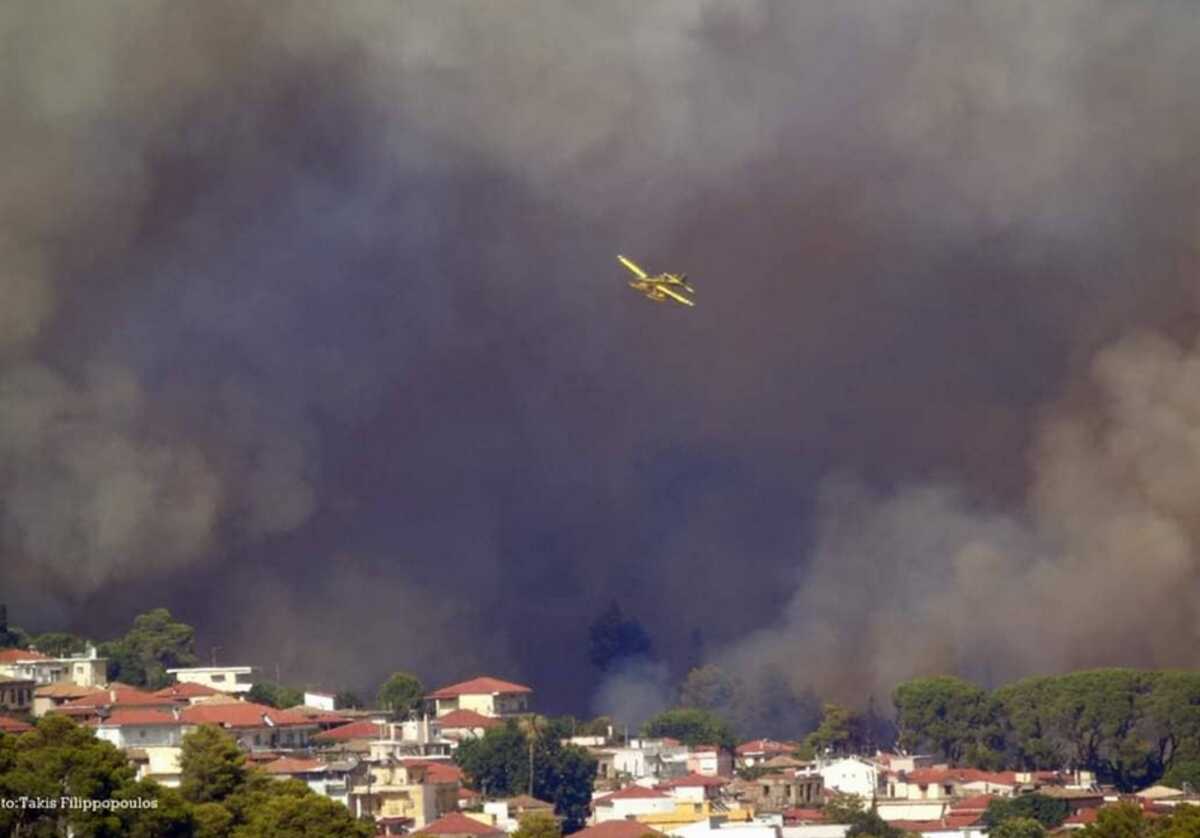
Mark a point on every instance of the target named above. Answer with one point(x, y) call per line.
point(186, 690)
point(138, 717)
point(691, 780)
point(15, 655)
point(467, 719)
point(241, 714)
point(616, 829)
point(364, 729)
point(482, 685)
point(458, 824)
point(291, 765)
point(10, 725)
point(630, 793)
point(64, 691)
point(127, 696)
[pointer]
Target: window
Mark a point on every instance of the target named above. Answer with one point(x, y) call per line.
point(220, 678)
point(949, 790)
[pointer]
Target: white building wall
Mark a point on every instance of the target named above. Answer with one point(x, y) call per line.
point(619, 810)
point(851, 776)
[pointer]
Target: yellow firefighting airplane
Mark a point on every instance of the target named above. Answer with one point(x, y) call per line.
point(659, 287)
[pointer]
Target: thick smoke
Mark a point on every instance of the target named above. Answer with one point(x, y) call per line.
point(1094, 571)
point(310, 329)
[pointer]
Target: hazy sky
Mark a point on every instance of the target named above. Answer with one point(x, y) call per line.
point(311, 330)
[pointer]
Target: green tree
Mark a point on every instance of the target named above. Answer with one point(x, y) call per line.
point(1126, 726)
point(499, 765)
point(843, 808)
point(11, 637)
point(55, 759)
point(1050, 812)
point(598, 726)
point(691, 726)
point(1183, 774)
point(303, 815)
point(1018, 828)
point(59, 644)
point(275, 695)
point(401, 694)
point(212, 820)
point(1125, 820)
point(538, 825)
point(842, 731)
point(155, 643)
point(955, 718)
point(710, 688)
point(868, 824)
point(212, 766)
point(613, 639)
point(347, 700)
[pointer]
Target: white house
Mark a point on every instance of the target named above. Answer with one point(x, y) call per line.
point(707, 829)
point(331, 780)
point(226, 679)
point(141, 728)
point(485, 695)
point(86, 670)
point(632, 802)
point(851, 775)
point(321, 701)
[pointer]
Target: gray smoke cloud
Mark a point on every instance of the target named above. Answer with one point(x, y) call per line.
point(922, 580)
point(284, 283)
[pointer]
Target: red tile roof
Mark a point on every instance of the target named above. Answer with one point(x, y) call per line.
point(467, 719)
point(630, 793)
point(482, 685)
point(978, 803)
point(137, 717)
point(10, 725)
point(245, 714)
point(364, 729)
point(64, 691)
point(931, 776)
point(291, 765)
point(129, 697)
point(765, 746)
point(443, 772)
point(186, 690)
point(803, 816)
point(15, 655)
point(457, 824)
point(616, 829)
point(692, 780)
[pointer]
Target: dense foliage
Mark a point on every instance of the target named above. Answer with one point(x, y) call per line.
point(1130, 727)
point(1128, 821)
point(766, 705)
point(509, 760)
point(275, 695)
point(155, 643)
point(401, 694)
point(1050, 812)
point(691, 726)
point(219, 797)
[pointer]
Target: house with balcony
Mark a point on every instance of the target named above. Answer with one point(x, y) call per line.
point(484, 695)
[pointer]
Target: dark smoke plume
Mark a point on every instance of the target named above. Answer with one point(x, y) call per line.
point(311, 329)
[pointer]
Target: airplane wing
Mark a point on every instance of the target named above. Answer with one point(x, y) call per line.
point(675, 295)
point(629, 264)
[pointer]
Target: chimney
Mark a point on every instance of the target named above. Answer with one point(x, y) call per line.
point(112, 696)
